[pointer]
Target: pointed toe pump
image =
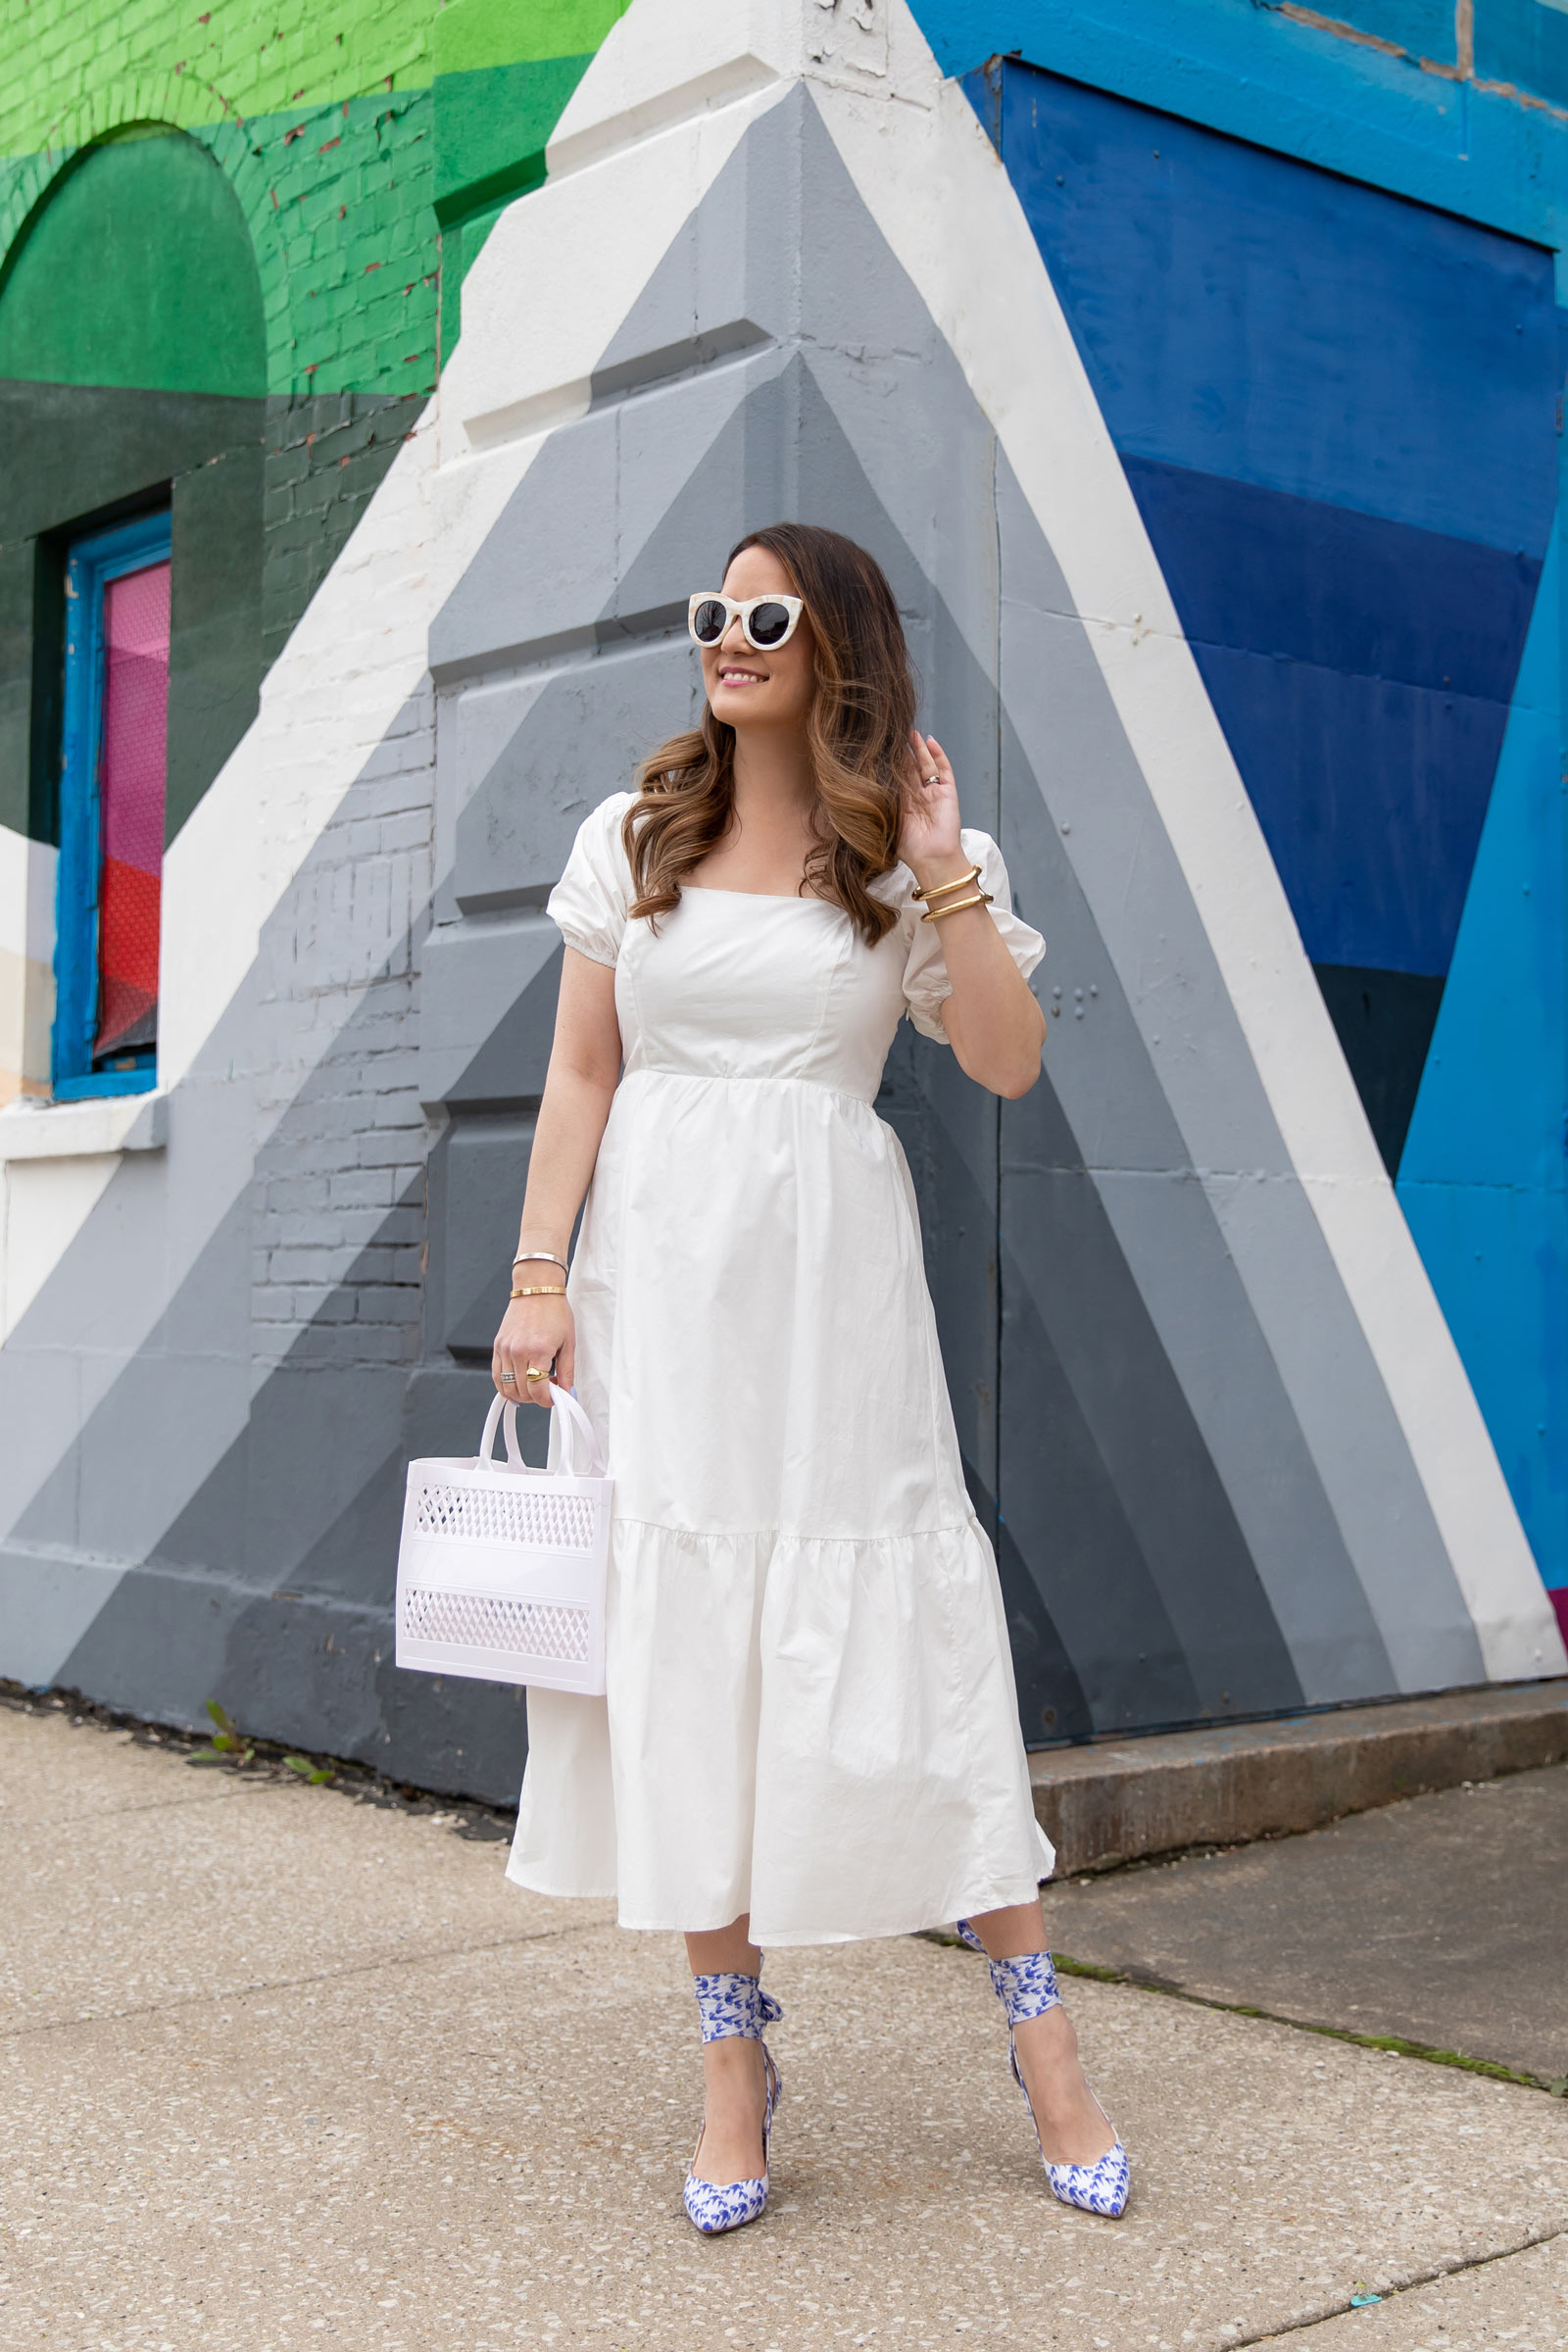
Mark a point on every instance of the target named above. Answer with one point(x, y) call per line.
point(1027, 1988)
point(733, 2007)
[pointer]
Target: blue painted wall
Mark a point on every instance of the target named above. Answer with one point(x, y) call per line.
point(1362, 673)
point(1484, 1180)
point(1337, 411)
point(1396, 111)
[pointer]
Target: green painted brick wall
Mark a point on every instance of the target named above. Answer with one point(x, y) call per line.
point(94, 298)
point(355, 301)
point(492, 124)
point(345, 132)
point(231, 60)
point(232, 242)
point(470, 34)
point(339, 205)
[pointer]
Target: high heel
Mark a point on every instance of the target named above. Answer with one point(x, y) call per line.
point(733, 2007)
point(1026, 1987)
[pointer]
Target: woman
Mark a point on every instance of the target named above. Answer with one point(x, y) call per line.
point(810, 1733)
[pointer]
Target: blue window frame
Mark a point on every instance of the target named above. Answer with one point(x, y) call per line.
point(84, 1064)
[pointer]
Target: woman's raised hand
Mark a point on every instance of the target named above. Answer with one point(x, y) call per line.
point(930, 836)
point(535, 1334)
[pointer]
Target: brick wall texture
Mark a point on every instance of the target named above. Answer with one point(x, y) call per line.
point(338, 1201)
point(333, 160)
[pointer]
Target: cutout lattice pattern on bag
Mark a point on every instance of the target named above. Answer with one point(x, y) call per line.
point(533, 1515)
point(535, 1628)
point(501, 1571)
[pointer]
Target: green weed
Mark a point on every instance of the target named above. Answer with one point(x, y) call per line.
point(228, 1746)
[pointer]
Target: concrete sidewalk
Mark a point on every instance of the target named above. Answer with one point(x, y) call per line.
point(1442, 1921)
point(282, 2066)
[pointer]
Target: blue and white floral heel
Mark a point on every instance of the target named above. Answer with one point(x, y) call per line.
point(733, 2007)
point(1027, 1988)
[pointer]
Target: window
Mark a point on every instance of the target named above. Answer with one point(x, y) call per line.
point(112, 810)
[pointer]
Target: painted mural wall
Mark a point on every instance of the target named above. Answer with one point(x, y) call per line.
point(1204, 409)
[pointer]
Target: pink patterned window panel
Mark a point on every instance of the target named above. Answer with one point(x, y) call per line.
point(131, 770)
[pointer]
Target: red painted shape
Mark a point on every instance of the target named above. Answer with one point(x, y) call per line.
point(128, 963)
point(128, 916)
point(1559, 1602)
point(132, 774)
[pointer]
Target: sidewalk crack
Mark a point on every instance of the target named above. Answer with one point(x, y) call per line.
point(1402, 2287)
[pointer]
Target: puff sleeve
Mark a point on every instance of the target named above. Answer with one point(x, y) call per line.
point(925, 973)
point(588, 905)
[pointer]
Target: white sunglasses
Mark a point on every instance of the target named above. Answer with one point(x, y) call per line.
point(766, 622)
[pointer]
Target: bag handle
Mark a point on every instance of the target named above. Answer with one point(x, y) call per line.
point(576, 1431)
point(575, 1424)
point(485, 1458)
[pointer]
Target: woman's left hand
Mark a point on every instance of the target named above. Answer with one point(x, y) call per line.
point(929, 835)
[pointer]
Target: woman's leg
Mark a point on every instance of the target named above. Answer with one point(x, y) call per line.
point(1072, 2129)
point(733, 2069)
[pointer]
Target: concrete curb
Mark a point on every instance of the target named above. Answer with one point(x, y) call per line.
point(1118, 1800)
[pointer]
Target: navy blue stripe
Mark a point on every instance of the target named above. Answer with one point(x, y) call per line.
point(1371, 795)
point(1361, 671)
point(1273, 574)
point(1243, 313)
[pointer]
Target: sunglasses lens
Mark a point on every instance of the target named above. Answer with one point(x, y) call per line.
point(707, 621)
point(769, 624)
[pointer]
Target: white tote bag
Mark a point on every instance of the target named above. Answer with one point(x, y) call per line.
point(501, 1570)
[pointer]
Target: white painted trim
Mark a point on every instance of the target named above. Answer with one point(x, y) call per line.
point(15, 862)
point(664, 65)
point(539, 316)
point(78, 1130)
point(26, 959)
point(574, 150)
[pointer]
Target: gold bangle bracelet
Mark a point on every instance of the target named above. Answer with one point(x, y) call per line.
point(933, 915)
point(543, 1290)
point(940, 890)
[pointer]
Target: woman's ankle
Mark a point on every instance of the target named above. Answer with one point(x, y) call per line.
point(724, 1951)
point(1013, 1932)
point(1048, 2056)
point(735, 2067)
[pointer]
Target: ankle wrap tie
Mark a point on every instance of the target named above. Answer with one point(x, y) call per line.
point(1025, 1986)
point(734, 2007)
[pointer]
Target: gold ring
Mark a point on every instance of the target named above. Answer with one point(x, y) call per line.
point(534, 1373)
point(932, 777)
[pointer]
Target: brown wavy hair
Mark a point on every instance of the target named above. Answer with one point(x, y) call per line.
point(858, 733)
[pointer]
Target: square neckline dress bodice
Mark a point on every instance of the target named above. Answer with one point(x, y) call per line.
point(809, 1712)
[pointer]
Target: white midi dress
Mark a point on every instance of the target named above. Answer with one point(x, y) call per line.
point(810, 1713)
